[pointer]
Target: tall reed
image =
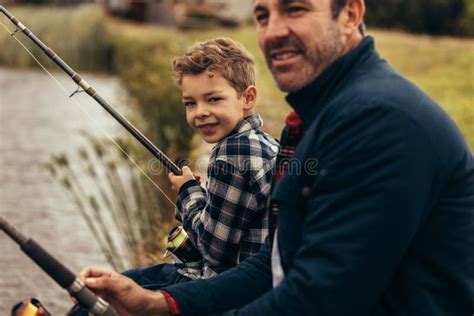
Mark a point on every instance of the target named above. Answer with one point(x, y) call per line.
point(122, 209)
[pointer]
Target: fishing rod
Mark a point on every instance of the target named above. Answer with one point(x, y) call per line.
point(165, 160)
point(58, 272)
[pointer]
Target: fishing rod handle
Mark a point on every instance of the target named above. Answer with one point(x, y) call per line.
point(87, 299)
point(165, 160)
point(67, 280)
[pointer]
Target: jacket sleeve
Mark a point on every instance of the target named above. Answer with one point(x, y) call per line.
point(378, 183)
point(230, 289)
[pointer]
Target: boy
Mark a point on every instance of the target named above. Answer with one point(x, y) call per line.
point(229, 222)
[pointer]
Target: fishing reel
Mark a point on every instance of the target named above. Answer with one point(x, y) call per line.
point(181, 246)
point(29, 307)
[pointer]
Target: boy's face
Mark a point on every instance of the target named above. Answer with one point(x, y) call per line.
point(213, 107)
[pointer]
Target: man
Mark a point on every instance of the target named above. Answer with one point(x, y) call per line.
point(384, 226)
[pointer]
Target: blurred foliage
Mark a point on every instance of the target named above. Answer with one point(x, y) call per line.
point(78, 35)
point(144, 65)
point(202, 16)
point(467, 21)
point(436, 17)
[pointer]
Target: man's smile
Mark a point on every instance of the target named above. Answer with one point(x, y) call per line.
point(284, 54)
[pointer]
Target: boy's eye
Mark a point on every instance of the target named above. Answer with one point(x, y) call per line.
point(215, 99)
point(189, 103)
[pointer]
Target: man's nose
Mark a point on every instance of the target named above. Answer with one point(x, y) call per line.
point(277, 28)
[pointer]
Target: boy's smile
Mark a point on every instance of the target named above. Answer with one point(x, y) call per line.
point(213, 106)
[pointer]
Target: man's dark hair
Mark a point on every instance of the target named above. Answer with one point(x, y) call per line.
point(337, 6)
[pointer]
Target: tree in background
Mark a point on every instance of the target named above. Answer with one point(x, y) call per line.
point(436, 17)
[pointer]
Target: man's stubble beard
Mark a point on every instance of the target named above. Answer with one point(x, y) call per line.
point(318, 59)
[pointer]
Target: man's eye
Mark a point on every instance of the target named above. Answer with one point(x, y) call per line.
point(261, 18)
point(294, 10)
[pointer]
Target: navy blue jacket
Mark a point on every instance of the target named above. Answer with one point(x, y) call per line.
point(381, 219)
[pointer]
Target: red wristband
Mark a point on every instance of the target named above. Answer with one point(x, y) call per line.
point(173, 305)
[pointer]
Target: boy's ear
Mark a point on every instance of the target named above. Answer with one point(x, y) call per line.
point(250, 97)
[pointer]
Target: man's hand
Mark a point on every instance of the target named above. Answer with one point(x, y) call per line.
point(178, 181)
point(128, 298)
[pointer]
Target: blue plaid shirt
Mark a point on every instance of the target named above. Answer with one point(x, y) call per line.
point(229, 222)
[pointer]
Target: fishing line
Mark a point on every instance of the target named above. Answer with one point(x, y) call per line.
point(12, 34)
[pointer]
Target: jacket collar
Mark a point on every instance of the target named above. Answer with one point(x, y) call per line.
point(309, 101)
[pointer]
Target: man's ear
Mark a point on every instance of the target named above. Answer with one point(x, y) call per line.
point(250, 97)
point(352, 16)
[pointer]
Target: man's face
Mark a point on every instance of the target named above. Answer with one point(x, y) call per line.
point(299, 39)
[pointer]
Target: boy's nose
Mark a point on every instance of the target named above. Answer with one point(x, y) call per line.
point(202, 110)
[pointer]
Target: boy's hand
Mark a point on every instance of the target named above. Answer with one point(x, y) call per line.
point(178, 181)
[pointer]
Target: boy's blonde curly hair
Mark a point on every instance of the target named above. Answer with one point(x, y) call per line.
point(219, 55)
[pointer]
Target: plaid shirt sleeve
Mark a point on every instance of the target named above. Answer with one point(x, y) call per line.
point(217, 220)
point(191, 197)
